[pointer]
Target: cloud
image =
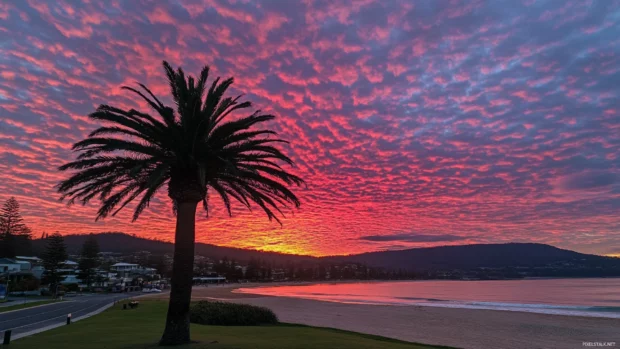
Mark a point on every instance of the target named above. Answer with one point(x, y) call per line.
point(499, 121)
point(589, 181)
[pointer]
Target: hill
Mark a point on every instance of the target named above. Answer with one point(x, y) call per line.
point(128, 244)
point(539, 259)
point(467, 257)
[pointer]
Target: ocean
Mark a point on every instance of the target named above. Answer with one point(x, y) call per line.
point(571, 297)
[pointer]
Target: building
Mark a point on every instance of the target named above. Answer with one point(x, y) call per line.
point(215, 279)
point(70, 265)
point(8, 266)
point(24, 266)
point(32, 265)
point(70, 279)
point(124, 269)
point(149, 272)
point(38, 271)
point(32, 260)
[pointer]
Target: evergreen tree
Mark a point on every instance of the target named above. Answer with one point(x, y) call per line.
point(159, 263)
point(7, 245)
point(89, 260)
point(10, 219)
point(15, 236)
point(54, 258)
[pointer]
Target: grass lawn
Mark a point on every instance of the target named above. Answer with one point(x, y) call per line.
point(142, 327)
point(26, 305)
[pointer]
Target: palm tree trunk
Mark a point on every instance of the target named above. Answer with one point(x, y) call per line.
point(177, 321)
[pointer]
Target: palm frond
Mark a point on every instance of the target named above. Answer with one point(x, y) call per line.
point(194, 145)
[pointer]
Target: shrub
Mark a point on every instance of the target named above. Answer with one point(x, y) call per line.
point(230, 314)
point(28, 283)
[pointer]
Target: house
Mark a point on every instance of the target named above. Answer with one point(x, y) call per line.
point(70, 265)
point(38, 271)
point(33, 260)
point(143, 271)
point(70, 279)
point(32, 265)
point(9, 266)
point(124, 269)
point(69, 271)
point(24, 266)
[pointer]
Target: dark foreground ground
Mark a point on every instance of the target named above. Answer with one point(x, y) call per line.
point(141, 328)
point(39, 317)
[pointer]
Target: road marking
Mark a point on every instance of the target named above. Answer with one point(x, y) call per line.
point(28, 308)
point(43, 329)
point(98, 304)
point(37, 314)
point(52, 318)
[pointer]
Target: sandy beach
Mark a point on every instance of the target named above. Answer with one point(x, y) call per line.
point(461, 328)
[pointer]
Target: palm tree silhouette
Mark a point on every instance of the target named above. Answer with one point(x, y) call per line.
point(195, 151)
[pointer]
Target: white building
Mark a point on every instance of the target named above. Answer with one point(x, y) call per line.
point(9, 266)
point(70, 265)
point(70, 279)
point(33, 260)
point(38, 271)
point(124, 267)
point(24, 266)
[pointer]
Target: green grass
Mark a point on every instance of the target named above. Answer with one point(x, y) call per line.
point(26, 305)
point(142, 327)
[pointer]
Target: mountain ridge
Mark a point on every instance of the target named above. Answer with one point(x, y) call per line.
point(473, 256)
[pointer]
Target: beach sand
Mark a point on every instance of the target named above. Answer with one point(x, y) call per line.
point(461, 328)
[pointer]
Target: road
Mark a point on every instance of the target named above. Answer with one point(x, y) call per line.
point(30, 319)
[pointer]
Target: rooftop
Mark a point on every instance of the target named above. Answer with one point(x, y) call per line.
point(28, 258)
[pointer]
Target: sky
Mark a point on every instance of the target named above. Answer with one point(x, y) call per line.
point(415, 123)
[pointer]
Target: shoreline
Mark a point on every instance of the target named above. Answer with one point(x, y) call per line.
point(572, 310)
point(454, 327)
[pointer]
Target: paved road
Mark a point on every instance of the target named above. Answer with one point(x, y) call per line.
point(19, 300)
point(27, 320)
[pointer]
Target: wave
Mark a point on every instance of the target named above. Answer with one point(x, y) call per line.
point(553, 309)
point(540, 308)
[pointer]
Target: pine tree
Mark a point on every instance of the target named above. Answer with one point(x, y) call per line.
point(54, 258)
point(15, 236)
point(11, 220)
point(89, 260)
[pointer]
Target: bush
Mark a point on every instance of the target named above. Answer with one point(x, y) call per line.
point(230, 314)
point(28, 283)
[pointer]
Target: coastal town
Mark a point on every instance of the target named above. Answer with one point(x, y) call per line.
point(146, 272)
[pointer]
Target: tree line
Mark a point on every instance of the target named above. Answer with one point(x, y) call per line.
point(262, 270)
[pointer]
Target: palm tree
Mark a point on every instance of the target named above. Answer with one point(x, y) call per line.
point(196, 151)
